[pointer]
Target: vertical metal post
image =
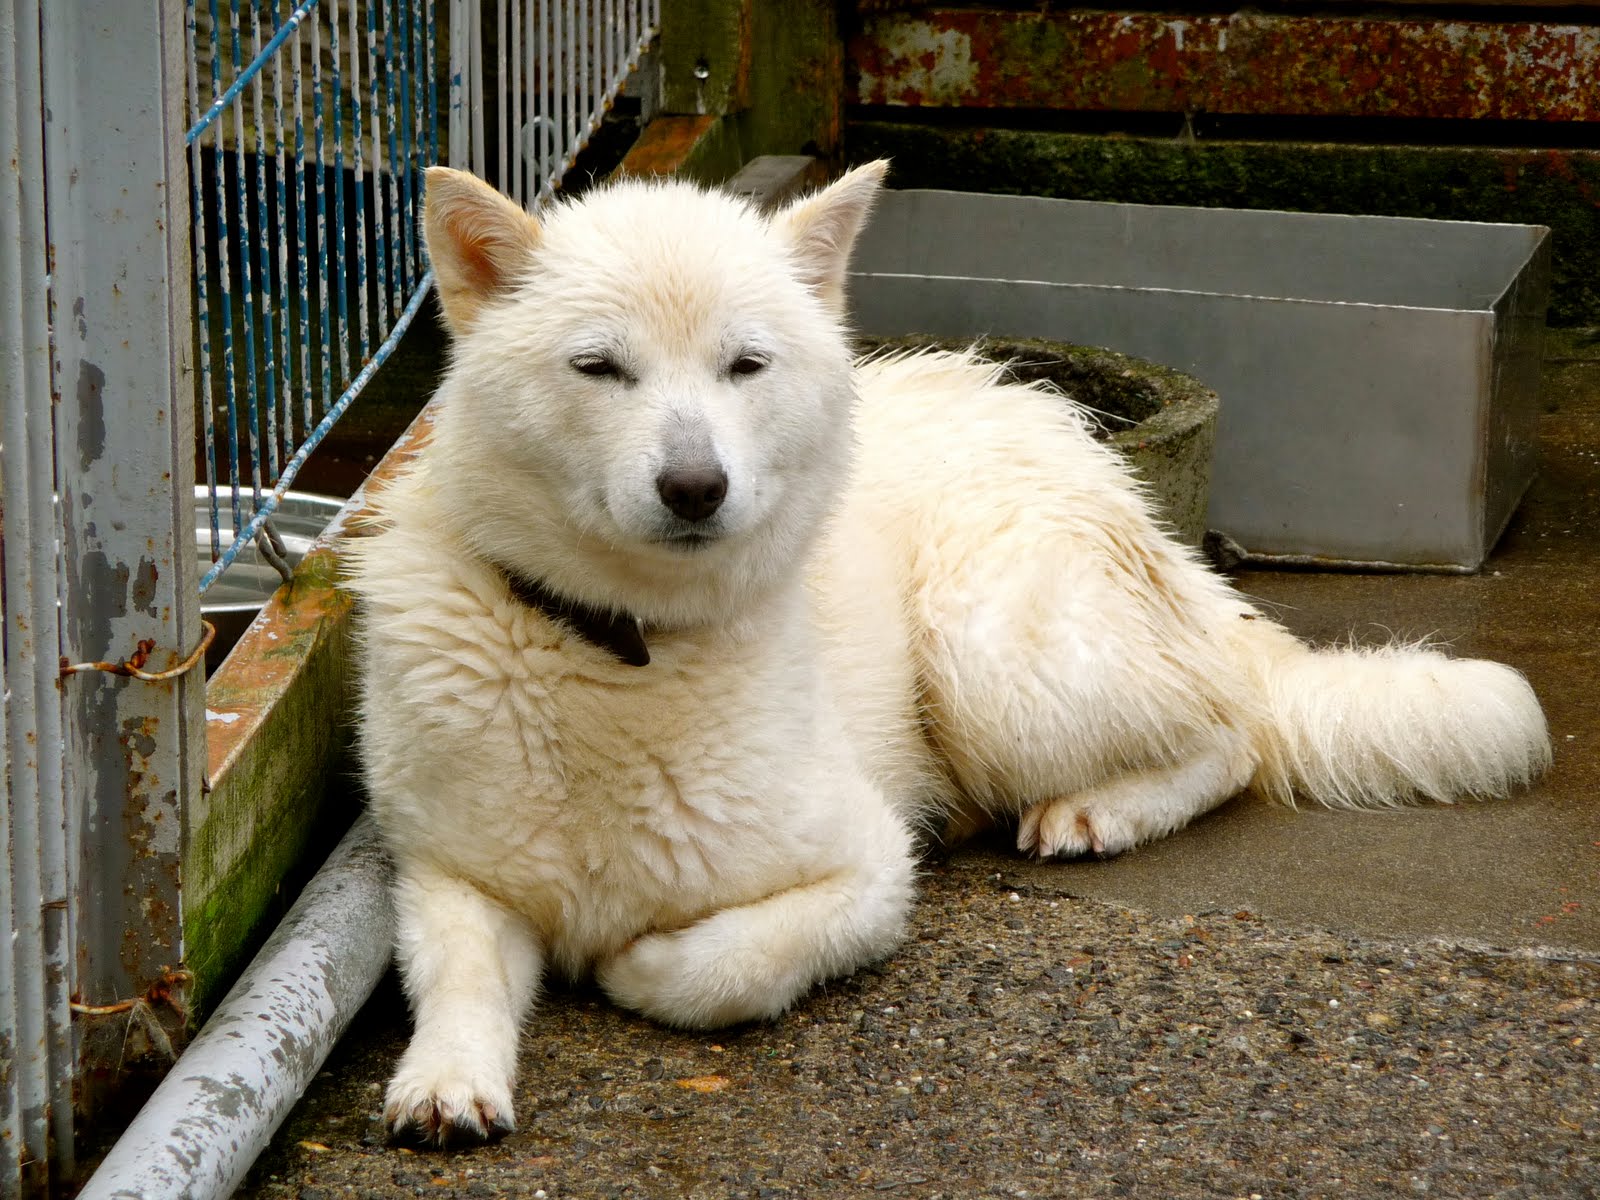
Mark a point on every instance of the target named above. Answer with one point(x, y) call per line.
point(35, 978)
point(117, 210)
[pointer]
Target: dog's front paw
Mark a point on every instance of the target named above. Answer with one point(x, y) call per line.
point(1072, 825)
point(685, 980)
point(446, 1104)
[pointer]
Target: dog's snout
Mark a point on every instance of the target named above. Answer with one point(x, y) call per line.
point(693, 493)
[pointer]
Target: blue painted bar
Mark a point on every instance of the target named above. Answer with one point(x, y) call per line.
point(381, 282)
point(363, 314)
point(432, 43)
point(281, 242)
point(268, 392)
point(324, 246)
point(224, 276)
point(408, 207)
point(339, 280)
point(302, 245)
point(247, 294)
point(401, 275)
point(202, 307)
point(223, 99)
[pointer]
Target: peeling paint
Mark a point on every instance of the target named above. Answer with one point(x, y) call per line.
point(137, 734)
point(1245, 62)
point(91, 414)
point(108, 585)
point(143, 592)
point(935, 63)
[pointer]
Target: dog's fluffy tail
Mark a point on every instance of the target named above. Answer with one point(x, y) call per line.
point(1372, 728)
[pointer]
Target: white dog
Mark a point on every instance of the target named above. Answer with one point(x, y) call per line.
point(683, 622)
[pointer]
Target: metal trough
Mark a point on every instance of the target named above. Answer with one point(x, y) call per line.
point(233, 601)
point(1379, 376)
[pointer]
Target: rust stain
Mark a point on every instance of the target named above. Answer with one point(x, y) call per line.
point(739, 84)
point(169, 990)
point(665, 145)
point(1235, 63)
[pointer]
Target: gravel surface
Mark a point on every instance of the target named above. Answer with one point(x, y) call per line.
point(1025, 1042)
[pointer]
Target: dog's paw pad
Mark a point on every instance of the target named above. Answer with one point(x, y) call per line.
point(1069, 826)
point(454, 1114)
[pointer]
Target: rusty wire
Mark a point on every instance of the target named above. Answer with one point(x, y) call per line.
point(134, 667)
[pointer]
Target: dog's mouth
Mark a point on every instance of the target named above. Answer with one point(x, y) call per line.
point(689, 542)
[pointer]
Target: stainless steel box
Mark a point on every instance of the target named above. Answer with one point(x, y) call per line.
point(1379, 376)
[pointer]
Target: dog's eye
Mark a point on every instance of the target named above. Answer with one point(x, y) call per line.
point(597, 366)
point(747, 364)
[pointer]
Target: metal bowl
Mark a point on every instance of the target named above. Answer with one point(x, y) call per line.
point(232, 602)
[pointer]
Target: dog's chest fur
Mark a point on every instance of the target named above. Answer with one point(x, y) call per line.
point(598, 799)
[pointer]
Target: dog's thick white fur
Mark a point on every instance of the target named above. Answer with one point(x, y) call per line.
point(927, 594)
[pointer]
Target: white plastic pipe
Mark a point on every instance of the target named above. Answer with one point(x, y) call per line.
point(220, 1104)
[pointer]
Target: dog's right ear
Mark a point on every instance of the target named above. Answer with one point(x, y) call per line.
point(478, 241)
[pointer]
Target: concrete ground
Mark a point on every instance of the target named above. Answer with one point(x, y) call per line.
point(1269, 1004)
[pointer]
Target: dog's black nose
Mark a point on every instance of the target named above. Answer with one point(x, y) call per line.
point(693, 493)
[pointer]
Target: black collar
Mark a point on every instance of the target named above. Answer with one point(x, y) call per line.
point(620, 633)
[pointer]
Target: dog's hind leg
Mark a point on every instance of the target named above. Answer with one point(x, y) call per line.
point(470, 970)
point(1136, 807)
point(752, 961)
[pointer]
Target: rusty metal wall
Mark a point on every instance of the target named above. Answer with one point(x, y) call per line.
point(1467, 111)
point(1426, 66)
point(101, 751)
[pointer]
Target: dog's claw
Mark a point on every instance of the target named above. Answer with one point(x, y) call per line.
point(439, 1124)
point(447, 1106)
point(1066, 827)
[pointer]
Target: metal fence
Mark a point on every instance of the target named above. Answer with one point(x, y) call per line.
point(310, 126)
point(560, 65)
point(208, 243)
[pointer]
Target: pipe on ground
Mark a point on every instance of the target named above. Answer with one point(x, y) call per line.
point(219, 1105)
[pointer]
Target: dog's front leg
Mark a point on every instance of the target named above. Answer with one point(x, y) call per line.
point(752, 961)
point(470, 969)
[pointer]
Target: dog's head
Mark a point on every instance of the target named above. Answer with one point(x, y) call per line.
point(648, 402)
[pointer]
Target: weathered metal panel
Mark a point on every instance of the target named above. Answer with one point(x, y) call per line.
point(770, 180)
point(1233, 63)
point(1516, 357)
point(1360, 360)
point(116, 199)
point(35, 979)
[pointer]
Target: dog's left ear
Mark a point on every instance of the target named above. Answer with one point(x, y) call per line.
point(823, 228)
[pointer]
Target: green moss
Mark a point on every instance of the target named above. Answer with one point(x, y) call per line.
point(271, 818)
point(717, 156)
point(1557, 188)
